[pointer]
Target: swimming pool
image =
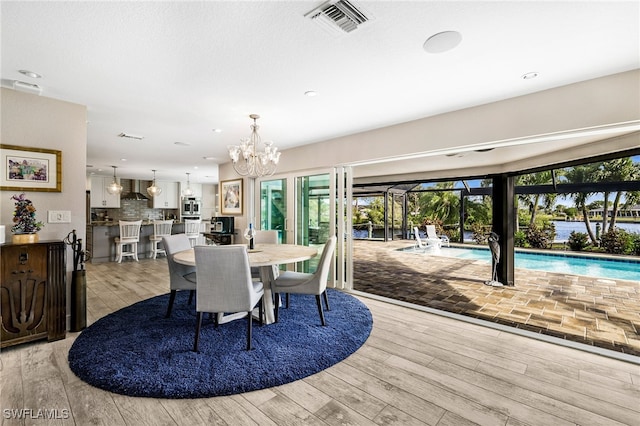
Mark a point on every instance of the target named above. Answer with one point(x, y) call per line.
point(566, 263)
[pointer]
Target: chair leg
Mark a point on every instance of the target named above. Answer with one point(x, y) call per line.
point(276, 306)
point(261, 310)
point(319, 303)
point(287, 301)
point(191, 293)
point(198, 326)
point(325, 295)
point(249, 323)
point(134, 248)
point(172, 298)
point(118, 252)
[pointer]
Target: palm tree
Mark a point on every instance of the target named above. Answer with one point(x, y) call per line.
point(583, 174)
point(618, 170)
point(533, 200)
point(443, 205)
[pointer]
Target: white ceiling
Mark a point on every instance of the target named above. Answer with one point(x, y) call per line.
point(174, 71)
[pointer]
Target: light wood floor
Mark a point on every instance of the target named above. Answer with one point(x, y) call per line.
point(415, 368)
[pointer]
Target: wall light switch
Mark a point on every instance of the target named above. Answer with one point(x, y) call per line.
point(59, 216)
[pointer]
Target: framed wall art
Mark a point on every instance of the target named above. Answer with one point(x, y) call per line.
point(231, 197)
point(30, 169)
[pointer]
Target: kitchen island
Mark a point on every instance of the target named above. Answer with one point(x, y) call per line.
point(100, 237)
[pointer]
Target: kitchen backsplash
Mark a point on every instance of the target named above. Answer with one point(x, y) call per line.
point(132, 210)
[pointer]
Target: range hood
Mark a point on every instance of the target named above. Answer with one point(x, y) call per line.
point(131, 190)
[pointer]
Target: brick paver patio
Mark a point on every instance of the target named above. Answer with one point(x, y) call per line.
point(593, 311)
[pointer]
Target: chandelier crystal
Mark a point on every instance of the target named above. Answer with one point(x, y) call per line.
point(248, 161)
point(114, 187)
point(188, 192)
point(154, 190)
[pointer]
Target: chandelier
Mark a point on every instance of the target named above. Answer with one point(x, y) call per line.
point(114, 187)
point(154, 190)
point(248, 161)
point(188, 192)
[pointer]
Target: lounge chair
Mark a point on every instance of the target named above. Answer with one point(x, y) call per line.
point(427, 244)
point(432, 235)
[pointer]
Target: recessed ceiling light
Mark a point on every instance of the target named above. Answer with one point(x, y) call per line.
point(123, 159)
point(311, 93)
point(209, 158)
point(441, 42)
point(182, 143)
point(529, 75)
point(217, 130)
point(30, 74)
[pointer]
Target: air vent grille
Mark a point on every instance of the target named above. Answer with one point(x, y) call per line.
point(339, 17)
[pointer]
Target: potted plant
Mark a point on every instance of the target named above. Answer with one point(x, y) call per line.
point(25, 226)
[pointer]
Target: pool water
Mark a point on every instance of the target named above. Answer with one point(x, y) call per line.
point(621, 269)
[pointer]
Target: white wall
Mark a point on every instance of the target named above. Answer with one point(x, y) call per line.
point(39, 122)
point(598, 102)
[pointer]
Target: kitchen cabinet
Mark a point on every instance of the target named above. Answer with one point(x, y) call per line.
point(33, 292)
point(100, 197)
point(168, 198)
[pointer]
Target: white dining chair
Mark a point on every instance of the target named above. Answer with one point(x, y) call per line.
point(127, 242)
point(161, 228)
point(181, 277)
point(303, 283)
point(192, 230)
point(224, 284)
point(265, 237)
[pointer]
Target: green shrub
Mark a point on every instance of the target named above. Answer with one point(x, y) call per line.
point(617, 241)
point(578, 241)
point(520, 239)
point(540, 237)
point(636, 243)
point(480, 233)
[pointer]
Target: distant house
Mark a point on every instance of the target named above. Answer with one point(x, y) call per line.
point(633, 211)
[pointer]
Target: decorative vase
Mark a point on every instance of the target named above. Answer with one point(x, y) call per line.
point(24, 238)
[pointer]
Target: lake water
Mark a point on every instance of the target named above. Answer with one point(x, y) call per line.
point(563, 229)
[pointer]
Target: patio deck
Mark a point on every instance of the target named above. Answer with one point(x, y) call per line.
point(593, 311)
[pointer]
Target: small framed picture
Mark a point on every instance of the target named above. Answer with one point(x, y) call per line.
point(231, 197)
point(30, 169)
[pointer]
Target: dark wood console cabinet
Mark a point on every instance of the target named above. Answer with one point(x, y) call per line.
point(33, 292)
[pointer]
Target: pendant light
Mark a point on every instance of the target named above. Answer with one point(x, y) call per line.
point(114, 187)
point(188, 192)
point(154, 190)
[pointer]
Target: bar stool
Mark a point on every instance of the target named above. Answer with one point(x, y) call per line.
point(161, 228)
point(192, 230)
point(129, 237)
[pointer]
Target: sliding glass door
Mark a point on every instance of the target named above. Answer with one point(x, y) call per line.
point(307, 208)
point(273, 207)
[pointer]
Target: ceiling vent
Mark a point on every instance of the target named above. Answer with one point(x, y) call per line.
point(130, 136)
point(339, 17)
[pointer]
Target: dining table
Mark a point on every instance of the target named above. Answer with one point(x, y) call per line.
point(266, 257)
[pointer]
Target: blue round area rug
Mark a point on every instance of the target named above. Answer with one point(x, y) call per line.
point(136, 351)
